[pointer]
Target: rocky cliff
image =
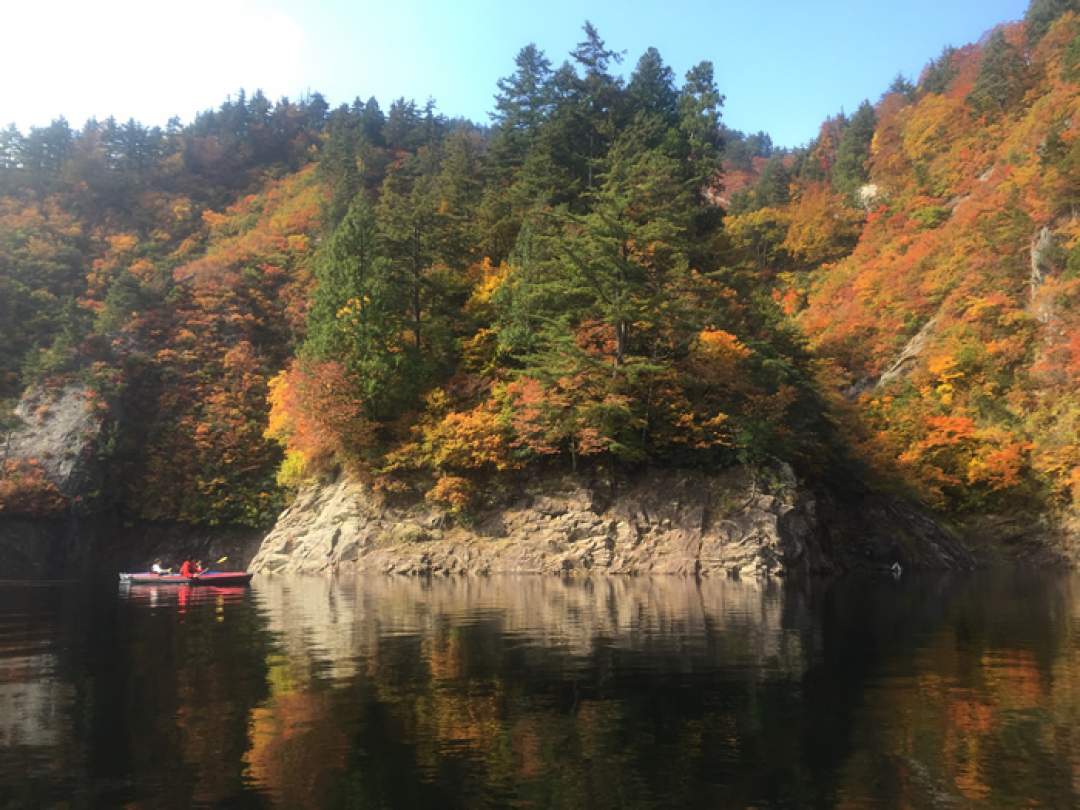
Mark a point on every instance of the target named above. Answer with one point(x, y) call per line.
point(49, 476)
point(737, 522)
point(57, 430)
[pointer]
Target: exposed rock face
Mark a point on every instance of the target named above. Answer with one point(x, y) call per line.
point(901, 367)
point(59, 429)
point(659, 522)
point(1041, 244)
point(911, 352)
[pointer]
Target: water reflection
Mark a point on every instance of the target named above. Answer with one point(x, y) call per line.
point(335, 626)
point(531, 690)
point(536, 692)
point(984, 710)
point(180, 597)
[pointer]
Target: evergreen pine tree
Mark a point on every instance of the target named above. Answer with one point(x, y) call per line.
point(338, 165)
point(1002, 77)
point(699, 122)
point(372, 122)
point(597, 99)
point(411, 234)
point(458, 187)
point(851, 169)
point(522, 103)
point(1041, 14)
point(902, 87)
point(123, 300)
point(773, 187)
point(402, 130)
point(353, 318)
point(940, 72)
point(652, 88)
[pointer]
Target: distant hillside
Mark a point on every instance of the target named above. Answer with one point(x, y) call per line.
point(167, 272)
point(948, 307)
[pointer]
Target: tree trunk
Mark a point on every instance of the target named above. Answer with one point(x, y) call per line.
point(622, 332)
point(416, 286)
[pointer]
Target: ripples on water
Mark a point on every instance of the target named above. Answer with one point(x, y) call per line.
point(536, 692)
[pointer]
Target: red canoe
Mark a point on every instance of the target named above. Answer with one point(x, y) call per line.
point(208, 578)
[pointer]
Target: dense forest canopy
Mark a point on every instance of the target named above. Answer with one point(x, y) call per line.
point(603, 273)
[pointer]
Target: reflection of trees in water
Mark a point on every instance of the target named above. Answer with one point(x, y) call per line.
point(605, 692)
point(153, 707)
point(539, 692)
point(37, 698)
point(193, 671)
point(328, 623)
point(983, 706)
point(32, 703)
point(645, 692)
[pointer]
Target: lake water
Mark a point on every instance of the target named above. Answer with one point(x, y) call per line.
point(537, 692)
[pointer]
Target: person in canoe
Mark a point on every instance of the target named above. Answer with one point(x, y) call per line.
point(188, 569)
point(160, 569)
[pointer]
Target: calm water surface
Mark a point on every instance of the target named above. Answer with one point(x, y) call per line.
point(533, 692)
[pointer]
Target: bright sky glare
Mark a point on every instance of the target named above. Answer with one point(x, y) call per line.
point(784, 66)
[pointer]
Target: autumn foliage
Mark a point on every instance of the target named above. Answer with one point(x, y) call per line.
point(283, 291)
point(26, 490)
point(316, 412)
point(970, 247)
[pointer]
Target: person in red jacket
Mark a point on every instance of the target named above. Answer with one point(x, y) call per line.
point(187, 569)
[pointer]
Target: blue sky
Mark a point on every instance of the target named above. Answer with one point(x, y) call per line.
point(783, 65)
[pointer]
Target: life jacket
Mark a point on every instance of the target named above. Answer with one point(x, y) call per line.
point(185, 569)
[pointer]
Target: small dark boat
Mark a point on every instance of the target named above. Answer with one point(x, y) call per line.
point(205, 578)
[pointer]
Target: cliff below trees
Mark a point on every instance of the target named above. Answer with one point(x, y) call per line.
point(736, 523)
point(49, 476)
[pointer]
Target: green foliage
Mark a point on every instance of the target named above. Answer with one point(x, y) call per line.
point(1002, 77)
point(903, 87)
point(585, 296)
point(851, 169)
point(1041, 14)
point(1072, 263)
point(62, 354)
point(357, 311)
point(338, 164)
point(524, 99)
point(931, 216)
point(699, 121)
point(652, 88)
point(124, 300)
point(9, 422)
point(294, 471)
point(1071, 60)
point(739, 149)
point(774, 186)
point(939, 73)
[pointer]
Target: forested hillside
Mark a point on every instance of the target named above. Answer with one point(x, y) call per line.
point(928, 247)
point(167, 271)
point(603, 273)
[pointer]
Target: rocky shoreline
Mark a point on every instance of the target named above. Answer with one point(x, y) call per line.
point(739, 522)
